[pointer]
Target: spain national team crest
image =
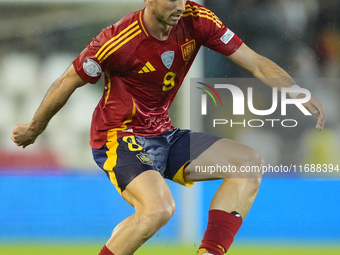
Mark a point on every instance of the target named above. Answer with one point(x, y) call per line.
point(188, 49)
point(168, 58)
point(145, 158)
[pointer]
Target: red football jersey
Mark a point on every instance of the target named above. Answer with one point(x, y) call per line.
point(142, 73)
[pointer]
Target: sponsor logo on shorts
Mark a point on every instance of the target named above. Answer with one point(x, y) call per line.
point(92, 68)
point(227, 36)
point(145, 158)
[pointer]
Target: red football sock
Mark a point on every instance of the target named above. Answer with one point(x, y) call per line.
point(105, 251)
point(221, 230)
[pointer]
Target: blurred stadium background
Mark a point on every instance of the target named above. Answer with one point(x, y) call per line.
point(54, 197)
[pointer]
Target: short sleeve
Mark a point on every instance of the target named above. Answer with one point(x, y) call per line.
point(224, 41)
point(87, 65)
point(214, 34)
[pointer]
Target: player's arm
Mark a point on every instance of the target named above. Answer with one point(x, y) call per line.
point(263, 68)
point(56, 97)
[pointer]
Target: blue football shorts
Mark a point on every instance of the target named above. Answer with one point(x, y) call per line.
point(123, 159)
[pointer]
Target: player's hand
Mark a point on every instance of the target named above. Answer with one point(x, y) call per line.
point(23, 136)
point(317, 108)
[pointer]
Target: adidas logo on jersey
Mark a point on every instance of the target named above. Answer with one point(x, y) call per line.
point(147, 68)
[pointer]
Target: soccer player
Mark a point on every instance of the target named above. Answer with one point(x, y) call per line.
point(144, 59)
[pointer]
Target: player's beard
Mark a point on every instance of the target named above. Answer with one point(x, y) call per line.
point(166, 21)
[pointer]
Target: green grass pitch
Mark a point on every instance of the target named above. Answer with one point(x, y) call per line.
point(162, 250)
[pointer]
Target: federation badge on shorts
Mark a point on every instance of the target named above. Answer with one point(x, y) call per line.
point(188, 49)
point(145, 158)
point(227, 36)
point(168, 58)
point(92, 68)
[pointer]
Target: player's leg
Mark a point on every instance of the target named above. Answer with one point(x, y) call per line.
point(227, 152)
point(233, 198)
point(134, 165)
point(149, 194)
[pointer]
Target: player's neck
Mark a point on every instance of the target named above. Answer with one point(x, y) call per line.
point(157, 29)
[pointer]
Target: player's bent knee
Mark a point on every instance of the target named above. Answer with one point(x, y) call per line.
point(254, 183)
point(162, 214)
point(248, 165)
point(250, 157)
point(251, 164)
point(238, 154)
point(246, 186)
point(152, 219)
point(249, 175)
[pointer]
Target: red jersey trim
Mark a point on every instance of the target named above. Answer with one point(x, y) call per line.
point(118, 41)
point(195, 11)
